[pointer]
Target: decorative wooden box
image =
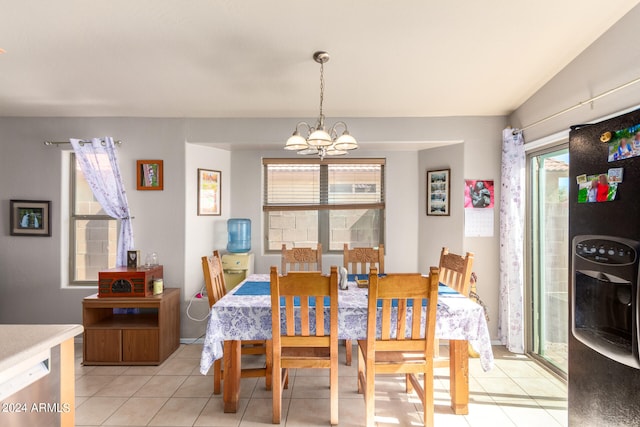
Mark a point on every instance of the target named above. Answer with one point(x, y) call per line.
point(128, 282)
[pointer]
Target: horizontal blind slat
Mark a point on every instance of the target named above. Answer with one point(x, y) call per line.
point(300, 184)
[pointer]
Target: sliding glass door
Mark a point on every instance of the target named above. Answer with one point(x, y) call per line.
point(549, 183)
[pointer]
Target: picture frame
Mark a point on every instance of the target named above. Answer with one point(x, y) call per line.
point(479, 194)
point(133, 259)
point(30, 218)
point(209, 192)
point(438, 192)
point(149, 175)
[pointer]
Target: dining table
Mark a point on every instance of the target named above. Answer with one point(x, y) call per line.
point(244, 313)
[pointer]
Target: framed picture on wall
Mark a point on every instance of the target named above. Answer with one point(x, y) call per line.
point(149, 175)
point(30, 218)
point(209, 187)
point(438, 189)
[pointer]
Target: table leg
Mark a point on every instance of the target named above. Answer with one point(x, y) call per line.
point(232, 368)
point(67, 383)
point(459, 376)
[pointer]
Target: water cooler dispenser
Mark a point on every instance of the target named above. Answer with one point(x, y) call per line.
point(238, 263)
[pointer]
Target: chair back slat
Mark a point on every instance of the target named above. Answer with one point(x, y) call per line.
point(304, 317)
point(401, 319)
point(319, 327)
point(455, 270)
point(288, 300)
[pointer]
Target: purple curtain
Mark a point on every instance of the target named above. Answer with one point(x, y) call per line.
point(99, 163)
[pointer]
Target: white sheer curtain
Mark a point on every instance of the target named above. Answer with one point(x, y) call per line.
point(510, 310)
point(99, 164)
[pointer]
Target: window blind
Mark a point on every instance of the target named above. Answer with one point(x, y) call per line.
point(303, 184)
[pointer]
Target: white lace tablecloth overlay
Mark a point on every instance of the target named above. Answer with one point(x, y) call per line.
point(248, 317)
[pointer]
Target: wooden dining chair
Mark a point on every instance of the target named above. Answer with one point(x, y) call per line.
point(398, 347)
point(300, 336)
point(360, 261)
point(301, 259)
point(216, 289)
point(213, 278)
point(455, 272)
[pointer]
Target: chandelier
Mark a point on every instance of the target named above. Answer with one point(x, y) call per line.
point(317, 140)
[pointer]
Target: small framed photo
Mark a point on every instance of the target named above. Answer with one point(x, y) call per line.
point(133, 259)
point(30, 218)
point(209, 187)
point(438, 188)
point(149, 175)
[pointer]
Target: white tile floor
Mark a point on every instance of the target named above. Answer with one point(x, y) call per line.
point(517, 392)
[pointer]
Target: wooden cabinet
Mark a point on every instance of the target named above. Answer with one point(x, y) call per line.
point(131, 330)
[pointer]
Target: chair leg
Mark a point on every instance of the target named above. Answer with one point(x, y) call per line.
point(360, 371)
point(349, 351)
point(334, 390)
point(217, 375)
point(428, 403)
point(408, 385)
point(268, 364)
point(276, 392)
point(370, 395)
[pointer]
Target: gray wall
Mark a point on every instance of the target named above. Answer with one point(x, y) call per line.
point(610, 62)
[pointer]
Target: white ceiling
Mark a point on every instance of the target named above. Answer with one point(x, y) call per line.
point(253, 58)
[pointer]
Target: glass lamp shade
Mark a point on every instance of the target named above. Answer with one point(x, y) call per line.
point(296, 142)
point(333, 151)
point(319, 138)
point(346, 142)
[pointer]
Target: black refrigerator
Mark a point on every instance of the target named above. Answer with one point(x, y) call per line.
point(604, 240)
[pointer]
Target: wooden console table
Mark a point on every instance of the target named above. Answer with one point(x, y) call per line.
point(144, 331)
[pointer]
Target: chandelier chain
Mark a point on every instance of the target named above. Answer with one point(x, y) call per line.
point(321, 91)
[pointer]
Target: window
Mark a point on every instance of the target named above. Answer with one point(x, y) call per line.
point(333, 202)
point(93, 234)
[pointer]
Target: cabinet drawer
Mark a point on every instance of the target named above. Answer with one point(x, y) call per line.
point(140, 345)
point(103, 345)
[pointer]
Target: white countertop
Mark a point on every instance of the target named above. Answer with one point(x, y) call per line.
point(20, 342)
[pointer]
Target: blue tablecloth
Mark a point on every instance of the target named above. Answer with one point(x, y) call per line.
point(255, 288)
point(263, 288)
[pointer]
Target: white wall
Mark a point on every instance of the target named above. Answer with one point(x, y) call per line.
point(202, 234)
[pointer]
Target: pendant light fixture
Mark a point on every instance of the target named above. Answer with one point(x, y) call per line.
point(317, 140)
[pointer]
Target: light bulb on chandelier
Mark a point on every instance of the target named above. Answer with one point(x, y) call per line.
point(319, 141)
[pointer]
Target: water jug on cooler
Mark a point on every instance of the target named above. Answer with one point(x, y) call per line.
point(239, 231)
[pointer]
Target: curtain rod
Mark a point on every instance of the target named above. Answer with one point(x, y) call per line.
point(82, 142)
point(578, 105)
